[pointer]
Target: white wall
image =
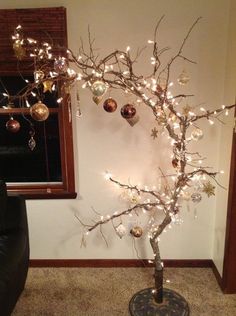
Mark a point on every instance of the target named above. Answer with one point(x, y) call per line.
point(106, 142)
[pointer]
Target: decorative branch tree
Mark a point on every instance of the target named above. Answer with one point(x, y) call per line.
point(117, 71)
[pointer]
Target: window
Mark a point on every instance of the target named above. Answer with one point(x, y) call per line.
point(36, 159)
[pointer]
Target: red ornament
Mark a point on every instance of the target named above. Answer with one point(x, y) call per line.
point(110, 105)
point(128, 111)
point(12, 125)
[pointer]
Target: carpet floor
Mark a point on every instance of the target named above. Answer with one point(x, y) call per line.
point(107, 291)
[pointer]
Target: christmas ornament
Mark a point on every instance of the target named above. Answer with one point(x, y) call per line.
point(133, 120)
point(19, 50)
point(175, 162)
point(32, 143)
point(136, 231)
point(196, 197)
point(47, 86)
point(172, 117)
point(197, 134)
point(110, 105)
point(154, 133)
point(134, 198)
point(128, 111)
point(39, 111)
point(98, 88)
point(97, 100)
point(38, 75)
point(183, 78)
point(160, 116)
point(186, 109)
point(121, 230)
point(186, 195)
point(60, 65)
point(12, 125)
point(208, 188)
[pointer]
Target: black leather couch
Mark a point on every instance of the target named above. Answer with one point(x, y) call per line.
point(14, 249)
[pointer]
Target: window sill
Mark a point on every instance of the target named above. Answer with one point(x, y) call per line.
point(40, 195)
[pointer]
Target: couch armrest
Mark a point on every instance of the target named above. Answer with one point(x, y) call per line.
point(16, 216)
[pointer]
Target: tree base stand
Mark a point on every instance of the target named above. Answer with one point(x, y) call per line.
point(143, 304)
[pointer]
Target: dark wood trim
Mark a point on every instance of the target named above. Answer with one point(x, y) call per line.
point(110, 263)
point(218, 277)
point(229, 267)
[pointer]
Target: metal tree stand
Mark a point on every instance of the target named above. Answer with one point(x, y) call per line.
point(158, 301)
point(143, 303)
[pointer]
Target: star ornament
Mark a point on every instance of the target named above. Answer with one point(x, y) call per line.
point(47, 86)
point(208, 188)
point(154, 133)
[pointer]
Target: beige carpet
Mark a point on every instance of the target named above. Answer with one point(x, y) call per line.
point(107, 291)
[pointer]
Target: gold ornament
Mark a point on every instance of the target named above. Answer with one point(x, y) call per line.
point(172, 117)
point(97, 100)
point(19, 50)
point(186, 109)
point(47, 85)
point(39, 111)
point(154, 133)
point(136, 231)
point(183, 78)
point(208, 188)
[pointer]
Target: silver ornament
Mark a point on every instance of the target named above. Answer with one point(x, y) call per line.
point(196, 197)
point(121, 230)
point(98, 88)
point(32, 143)
point(197, 134)
point(183, 78)
point(60, 65)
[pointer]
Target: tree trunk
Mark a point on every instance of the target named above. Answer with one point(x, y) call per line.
point(158, 275)
point(158, 294)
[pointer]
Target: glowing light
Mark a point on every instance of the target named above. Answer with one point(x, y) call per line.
point(107, 175)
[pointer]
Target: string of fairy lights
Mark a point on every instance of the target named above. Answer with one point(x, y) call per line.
point(174, 118)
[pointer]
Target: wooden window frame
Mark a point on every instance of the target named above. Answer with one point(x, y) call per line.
point(8, 67)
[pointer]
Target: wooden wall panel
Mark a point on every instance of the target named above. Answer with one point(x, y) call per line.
point(42, 24)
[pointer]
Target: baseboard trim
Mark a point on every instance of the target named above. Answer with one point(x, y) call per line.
point(110, 263)
point(218, 277)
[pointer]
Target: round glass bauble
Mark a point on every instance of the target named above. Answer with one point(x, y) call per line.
point(121, 230)
point(98, 88)
point(12, 125)
point(39, 111)
point(60, 65)
point(183, 78)
point(110, 105)
point(197, 134)
point(196, 197)
point(128, 111)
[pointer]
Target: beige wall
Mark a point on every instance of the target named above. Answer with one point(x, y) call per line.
point(107, 142)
